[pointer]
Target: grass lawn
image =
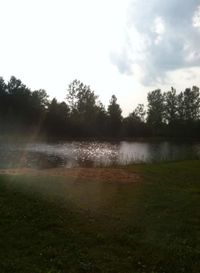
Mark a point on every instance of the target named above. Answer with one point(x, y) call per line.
point(54, 224)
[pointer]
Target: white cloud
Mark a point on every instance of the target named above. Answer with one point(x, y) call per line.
point(158, 29)
point(168, 39)
point(196, 18)
point(114, 46)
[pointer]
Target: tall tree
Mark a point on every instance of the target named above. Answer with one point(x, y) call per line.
point(134, 125)
point(3, 97)
point(19, 101)
point(56, 121)
point(84, 108)
point(155, 113)
point(115, 116)
point(38, 105)
point(180, 107)
point(140, 112)
point(80, 97)
point(101, 125)
point(171, 106)
point(191, 103)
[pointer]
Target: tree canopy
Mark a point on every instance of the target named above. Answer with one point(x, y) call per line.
point(169, 113)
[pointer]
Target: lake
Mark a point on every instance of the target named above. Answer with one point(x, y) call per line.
point(93, 153)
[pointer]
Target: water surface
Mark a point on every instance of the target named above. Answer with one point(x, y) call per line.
point(93, 153)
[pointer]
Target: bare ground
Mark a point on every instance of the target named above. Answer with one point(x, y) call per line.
point(105, 174)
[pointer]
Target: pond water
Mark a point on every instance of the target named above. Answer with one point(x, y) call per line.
point(93, 153)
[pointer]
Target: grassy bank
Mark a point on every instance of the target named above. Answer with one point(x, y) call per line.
point(67, 224)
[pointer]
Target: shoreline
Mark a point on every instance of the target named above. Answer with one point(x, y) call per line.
point(102, 174)
point(44, 138)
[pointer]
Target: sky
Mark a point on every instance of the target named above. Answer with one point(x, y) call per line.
point(121, 47)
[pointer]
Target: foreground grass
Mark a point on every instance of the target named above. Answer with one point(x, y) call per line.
point(57, 225)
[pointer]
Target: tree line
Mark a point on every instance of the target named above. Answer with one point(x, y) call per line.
point(83, 115)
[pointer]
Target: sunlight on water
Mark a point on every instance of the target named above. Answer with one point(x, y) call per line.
point(88, 153)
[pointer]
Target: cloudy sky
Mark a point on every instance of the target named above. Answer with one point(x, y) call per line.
point(125, 47)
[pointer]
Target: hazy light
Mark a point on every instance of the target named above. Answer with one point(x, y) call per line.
point(49, 43)
point(196, 18)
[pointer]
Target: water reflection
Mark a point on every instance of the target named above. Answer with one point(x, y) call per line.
point(87, 153)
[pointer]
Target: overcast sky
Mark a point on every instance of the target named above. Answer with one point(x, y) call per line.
point(122, 47)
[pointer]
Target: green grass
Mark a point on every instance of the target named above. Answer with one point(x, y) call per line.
point(61, 225)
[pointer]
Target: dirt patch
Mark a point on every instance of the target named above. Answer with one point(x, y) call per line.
point(105, 174)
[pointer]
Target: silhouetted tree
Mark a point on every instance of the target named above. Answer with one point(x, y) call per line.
point(38, 106)
point(57, 116)
point(155, 113)
point(140, 112)
point(191, 104)
point(101, 126)
point(168, 113)
point(19, 103)
point(134, 125)
point(171, 106)
point(80, 97)
point(115, 117)
point(84, 108)
point(3, 97)
point(180, 107)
